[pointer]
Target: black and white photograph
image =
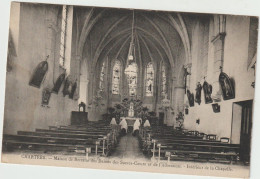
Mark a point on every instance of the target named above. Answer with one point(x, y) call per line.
point(130, 89)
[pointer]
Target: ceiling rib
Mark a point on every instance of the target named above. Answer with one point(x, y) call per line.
point(86, 29)
point(160, 54)
point(162, 36)
point(98, 51)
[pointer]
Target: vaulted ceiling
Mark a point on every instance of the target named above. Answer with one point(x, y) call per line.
point(158, 35)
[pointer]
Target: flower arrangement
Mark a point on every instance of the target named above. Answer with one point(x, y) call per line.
point(96, 101)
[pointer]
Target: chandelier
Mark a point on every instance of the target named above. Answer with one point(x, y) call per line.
point(131, 66)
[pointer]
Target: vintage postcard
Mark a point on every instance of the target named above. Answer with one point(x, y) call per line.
point(130, 89)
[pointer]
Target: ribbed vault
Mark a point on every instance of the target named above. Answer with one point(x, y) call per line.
point(107, 32)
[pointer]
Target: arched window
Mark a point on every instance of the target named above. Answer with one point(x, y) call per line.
point(132, 81)
point(101, 79)
point(164, 80)
point(63, 36)
point(116, 77)
point(149, 80)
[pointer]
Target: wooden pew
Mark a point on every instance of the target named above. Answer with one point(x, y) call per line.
point(189, 146)
point(96, 135)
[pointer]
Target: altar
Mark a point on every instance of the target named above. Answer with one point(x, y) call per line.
point(131, 120)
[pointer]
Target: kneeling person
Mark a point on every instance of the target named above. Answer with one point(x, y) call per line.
point(124, 127)
point(136, 127)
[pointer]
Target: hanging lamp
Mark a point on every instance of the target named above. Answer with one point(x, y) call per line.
point(131, 66)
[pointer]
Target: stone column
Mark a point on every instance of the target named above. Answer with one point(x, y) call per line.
point(178, 102)
point(68, 40)
point(170, 113)
point(187, 67)
point(51, 31)
point(188, 78)
point(218, 43)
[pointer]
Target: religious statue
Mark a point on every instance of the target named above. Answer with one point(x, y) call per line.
point(198, 93)
point(179, 121)
point(46, 94)
point(207, 88)
point(131, 110)
point(190, 98)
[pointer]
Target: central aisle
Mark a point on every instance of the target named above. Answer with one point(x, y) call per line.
point(128, 147)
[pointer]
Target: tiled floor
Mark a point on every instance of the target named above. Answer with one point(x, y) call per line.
point(128, 147)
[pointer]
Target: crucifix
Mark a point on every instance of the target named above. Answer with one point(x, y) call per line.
point(186, 73)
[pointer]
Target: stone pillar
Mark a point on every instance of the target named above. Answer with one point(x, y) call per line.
point(51, 31)
point(218, 43)
point(179, 102)
point(188, 79)
point(170, 113)
point(68, 41)
point(188, 71)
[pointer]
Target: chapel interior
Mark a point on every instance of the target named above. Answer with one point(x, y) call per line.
point(73, 69)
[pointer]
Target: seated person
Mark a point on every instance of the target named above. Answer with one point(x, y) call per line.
point(136, 127)
point(124, 127)
point(147, 123)
point(113, 124)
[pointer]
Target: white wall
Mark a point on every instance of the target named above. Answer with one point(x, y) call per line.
point(23, 110)
point(235, 66)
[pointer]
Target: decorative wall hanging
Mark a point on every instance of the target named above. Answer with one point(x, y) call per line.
point(190, 98)
point(180, 120)
point(186, 110)
point(58, 83)
point(198, 93)
point(216, 107)
point(39, 74)
point(198, 121)
point(73, 89)
point(227, 86)
point(207, 89)
point(66, 88)
point(46, 94)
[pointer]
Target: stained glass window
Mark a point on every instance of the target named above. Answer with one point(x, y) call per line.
point(102, 76)
point(116, 77)
point(164, 80)
point(132, 80)
point(149, 80)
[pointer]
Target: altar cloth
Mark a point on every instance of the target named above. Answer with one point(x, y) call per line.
point(131, 120)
